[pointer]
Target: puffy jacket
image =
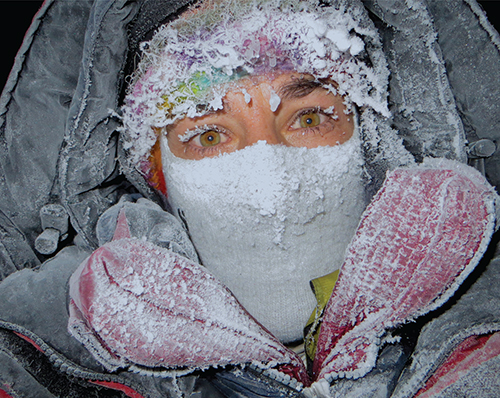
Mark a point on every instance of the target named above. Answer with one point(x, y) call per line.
point(62, 154)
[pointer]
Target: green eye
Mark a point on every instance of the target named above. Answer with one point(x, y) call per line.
point(310, 119)
point(210, 138)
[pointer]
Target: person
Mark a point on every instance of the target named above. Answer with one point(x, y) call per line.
point(264, 128)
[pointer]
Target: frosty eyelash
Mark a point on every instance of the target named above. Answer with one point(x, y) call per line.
point(189, 134)
point(330, 111)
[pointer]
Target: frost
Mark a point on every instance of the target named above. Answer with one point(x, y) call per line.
point(319, 389)
point(274, 101)
point(330, 110)
point(137, 318)
point(483, 20)
point(216, 103)
point(246, 95)
point(391, 273)
point(340, 38)
point(270, 202)
point(112, 113)
point(357, 46)
point(192, 133)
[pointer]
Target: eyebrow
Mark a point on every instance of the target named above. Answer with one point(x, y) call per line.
point(298, 88)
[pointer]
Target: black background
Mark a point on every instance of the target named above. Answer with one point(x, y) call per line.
point(16, 17)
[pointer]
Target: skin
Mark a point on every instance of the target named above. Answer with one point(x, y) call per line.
point(300, 120)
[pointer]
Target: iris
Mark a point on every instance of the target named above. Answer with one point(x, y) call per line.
point(210, 138)
point(310, 119)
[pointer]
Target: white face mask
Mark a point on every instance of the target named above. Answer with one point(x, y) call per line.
point(267, 219)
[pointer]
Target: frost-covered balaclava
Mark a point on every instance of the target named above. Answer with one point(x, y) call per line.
point(269, 218)
point(266, 219)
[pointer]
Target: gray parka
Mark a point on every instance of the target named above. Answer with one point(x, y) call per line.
point(61, 169)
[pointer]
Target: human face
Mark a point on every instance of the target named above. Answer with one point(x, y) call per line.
point(307, 116)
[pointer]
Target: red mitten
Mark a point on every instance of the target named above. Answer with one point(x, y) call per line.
point(134, 304)
point(423, 233)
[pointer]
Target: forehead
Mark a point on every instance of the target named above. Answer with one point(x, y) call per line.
point(286, 84)
point(275, 88)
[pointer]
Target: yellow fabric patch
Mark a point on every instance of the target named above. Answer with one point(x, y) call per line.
point(322, 288)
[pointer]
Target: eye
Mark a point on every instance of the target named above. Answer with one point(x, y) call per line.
point(309, 118)
point(209, 138)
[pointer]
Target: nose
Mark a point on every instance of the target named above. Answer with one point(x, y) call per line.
point(257, 117)
point(261, 128)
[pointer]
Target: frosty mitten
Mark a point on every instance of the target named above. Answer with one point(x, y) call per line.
point(138, 306)
point(423, 233)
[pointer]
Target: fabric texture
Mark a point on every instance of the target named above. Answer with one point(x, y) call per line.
point(58, 126)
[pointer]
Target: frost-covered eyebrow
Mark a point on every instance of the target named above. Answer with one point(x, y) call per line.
point(298, 88)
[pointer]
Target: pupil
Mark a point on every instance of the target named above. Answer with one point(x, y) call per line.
point(210, 137)
point(309, 120)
